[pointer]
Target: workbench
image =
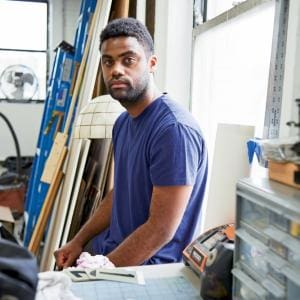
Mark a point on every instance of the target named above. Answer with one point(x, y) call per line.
point(165, 281)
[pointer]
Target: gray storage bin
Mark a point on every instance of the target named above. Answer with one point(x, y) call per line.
point(267, 251)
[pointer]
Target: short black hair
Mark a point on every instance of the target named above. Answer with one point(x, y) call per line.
point(128, 27)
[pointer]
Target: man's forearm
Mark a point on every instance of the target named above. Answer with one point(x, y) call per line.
point(142, 244)
point(97, 223)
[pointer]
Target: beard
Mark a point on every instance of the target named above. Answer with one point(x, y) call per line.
point(132, 93)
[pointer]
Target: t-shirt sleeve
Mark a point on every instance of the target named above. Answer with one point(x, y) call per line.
point(175, 156)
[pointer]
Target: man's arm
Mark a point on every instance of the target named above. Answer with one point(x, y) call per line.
point(168, 205)
point(66, 255)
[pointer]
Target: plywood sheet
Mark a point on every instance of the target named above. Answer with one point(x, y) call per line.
point(54, 157)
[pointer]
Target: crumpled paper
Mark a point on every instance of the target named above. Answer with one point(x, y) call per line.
point(88, 261)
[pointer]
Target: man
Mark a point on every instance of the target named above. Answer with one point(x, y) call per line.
point(160, 162)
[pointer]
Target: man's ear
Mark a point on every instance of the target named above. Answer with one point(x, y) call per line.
point(152, 63)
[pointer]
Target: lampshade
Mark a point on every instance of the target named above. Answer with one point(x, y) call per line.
point(97, 118)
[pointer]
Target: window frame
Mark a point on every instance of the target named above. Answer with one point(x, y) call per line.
point(46, 51)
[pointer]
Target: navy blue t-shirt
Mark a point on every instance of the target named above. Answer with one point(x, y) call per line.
point(163, 146)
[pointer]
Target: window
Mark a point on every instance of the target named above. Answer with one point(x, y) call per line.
point(231, 69)
point(205, 10)
point(23, 50)
point(217, 7)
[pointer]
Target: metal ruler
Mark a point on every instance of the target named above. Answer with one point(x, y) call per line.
point(276, 73)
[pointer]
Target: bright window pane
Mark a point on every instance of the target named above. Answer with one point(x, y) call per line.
point(23, 25)
point(217, 7)
point(231, 71)
point(16, 80)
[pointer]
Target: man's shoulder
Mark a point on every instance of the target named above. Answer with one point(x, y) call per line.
point(179, 115)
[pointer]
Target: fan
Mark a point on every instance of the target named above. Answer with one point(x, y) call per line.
point(18, 82)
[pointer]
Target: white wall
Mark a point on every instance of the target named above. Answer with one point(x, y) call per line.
point(173, 45)
point(63, 17)
point(26, 117)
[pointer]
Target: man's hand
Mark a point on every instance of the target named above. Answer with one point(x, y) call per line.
point(67, 255)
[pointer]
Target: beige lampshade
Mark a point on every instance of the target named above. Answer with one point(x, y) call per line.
point(97, 118)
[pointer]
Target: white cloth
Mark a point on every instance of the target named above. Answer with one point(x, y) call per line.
point(88, 261)
point(54, 285)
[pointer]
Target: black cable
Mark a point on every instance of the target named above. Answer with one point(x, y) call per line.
point(18, 163)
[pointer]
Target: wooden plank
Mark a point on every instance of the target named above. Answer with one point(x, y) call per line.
point(54, 157)
point(121, 9)
point(46, 209)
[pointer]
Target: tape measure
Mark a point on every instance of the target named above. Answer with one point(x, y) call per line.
point(276, 73)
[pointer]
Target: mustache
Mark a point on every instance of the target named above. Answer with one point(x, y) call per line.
point(118, 81)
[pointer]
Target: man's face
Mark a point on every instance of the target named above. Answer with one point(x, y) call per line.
point(126, 69)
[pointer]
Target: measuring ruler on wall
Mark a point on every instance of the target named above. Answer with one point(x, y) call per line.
point(276, 73)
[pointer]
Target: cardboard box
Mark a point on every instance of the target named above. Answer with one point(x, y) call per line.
point(13, 197)
point(284, 172)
